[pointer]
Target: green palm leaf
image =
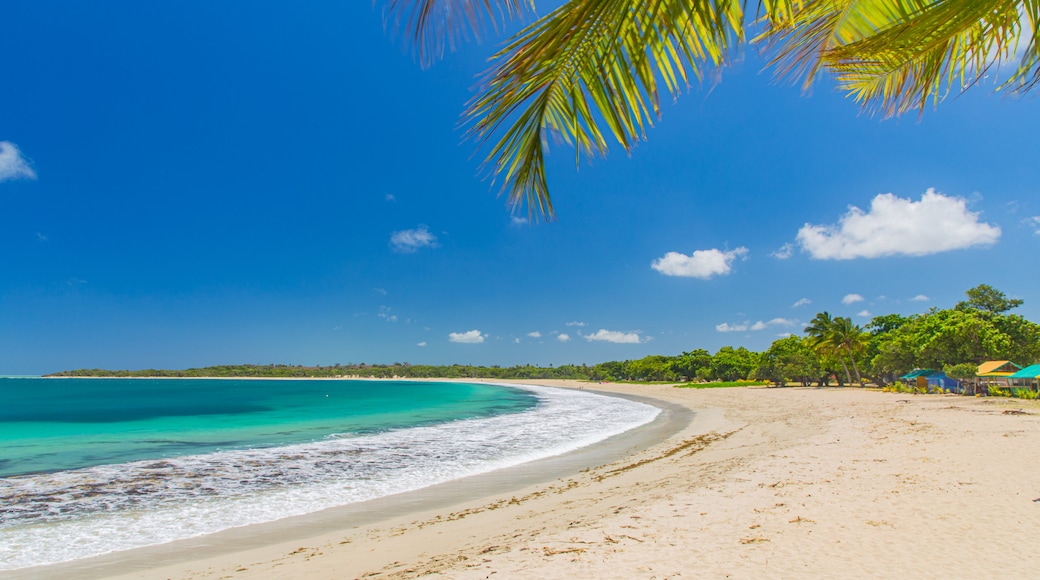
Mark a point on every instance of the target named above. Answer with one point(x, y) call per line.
point(894, 56)
point(434, 25)
point(593, 70)
point(588, 69)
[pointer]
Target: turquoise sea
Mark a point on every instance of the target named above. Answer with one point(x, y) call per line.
point(90, 466)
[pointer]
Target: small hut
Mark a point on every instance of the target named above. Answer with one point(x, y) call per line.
point(1027, 377)
point(997, 373)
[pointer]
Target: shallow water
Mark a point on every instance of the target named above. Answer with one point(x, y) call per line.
point(242, 473)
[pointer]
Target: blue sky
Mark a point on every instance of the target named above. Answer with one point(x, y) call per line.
point(199, 183)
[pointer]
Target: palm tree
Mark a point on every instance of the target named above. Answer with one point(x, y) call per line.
point(837, 336)
point(849, 337)
point(821, 339)
point(593, 68)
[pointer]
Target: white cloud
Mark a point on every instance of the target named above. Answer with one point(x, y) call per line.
point(12, 164)
point(701, 264)
point(423, 343)
point(1034, 222)
point(516, 341)
point(40, 237)
point(518, 221)
point(386, 315)
point(782, 322)
point(919, 298)
point(897, 226)
point(801, 302)
point(469, 337)
point(614, 336)
point(863, 313)
point(381, 291)
point(760, 325)
point(410, 241)
point(390, 197)
point(566, 337)
point(852, 299)
point(576, 323)
point(784, 252)
point(727, 327)
point(534, 334)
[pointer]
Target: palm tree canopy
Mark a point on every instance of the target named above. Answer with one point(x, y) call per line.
point(847, 335)
point(593, 69)
point(820, 330)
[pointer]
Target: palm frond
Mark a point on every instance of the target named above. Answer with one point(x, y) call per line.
point(433, 25)
point(589, 68)
point(1027, 77)
point(894, 56)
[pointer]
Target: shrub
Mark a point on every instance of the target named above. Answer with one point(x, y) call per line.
point(1025, 393)
point(995, 391)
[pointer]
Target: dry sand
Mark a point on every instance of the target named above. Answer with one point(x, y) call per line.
point(763, 483)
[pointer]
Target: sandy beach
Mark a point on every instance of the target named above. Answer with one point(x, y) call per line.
point(762, 483)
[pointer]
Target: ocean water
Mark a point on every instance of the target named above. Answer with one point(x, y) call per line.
point(91, 466)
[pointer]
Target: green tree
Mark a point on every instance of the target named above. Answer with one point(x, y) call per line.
point(885, 323)
point(851, 339)
point(1024, 336)
point(652, 368)
point(988, 299)
point(944, 337)
point(731, 364)
point(689, 363)
point(590, 70)
point(789, 359)
point(837, 337)
point(821, 339)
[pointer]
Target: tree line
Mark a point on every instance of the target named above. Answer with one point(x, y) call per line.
point(831, 350)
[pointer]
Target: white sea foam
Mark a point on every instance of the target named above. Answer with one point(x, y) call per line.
point(57, 517)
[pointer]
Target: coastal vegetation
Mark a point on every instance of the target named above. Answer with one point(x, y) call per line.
point(832, 350)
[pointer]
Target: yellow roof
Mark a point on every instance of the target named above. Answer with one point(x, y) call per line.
point(994, 368)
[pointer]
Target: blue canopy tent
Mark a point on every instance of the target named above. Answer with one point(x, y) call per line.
point(933, 380)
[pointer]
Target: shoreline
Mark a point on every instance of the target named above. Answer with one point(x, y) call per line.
point(805, 482)
point(669, 420)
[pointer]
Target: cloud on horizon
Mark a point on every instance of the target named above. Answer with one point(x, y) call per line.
point(703, 264)
point(895, 226)
point(774, 322)
point(727, 327)
point(919, 298)
point(757, 326)
point(852, 299)
point(468, 337)
point(12, 164)
point(411, 241)
point(614, 336)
